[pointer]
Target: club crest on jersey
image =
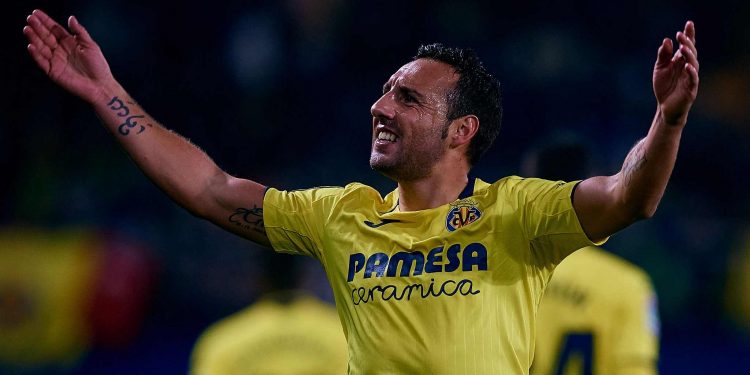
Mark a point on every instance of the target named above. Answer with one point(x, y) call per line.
point(462, 213)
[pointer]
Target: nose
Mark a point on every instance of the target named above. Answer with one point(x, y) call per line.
point(384, 107)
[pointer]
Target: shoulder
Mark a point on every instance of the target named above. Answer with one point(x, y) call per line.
point(506, 183)
point(522, 189)
point(359, 188)
point(354, 193)
point(327, 198)
point(516, 184)
point(315, 194)
point(325, 192)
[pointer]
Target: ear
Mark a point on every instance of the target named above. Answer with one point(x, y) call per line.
point(462, 130)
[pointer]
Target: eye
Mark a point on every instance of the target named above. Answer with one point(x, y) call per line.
point(408, 97)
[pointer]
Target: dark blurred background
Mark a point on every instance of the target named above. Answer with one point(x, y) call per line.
point(280, 92)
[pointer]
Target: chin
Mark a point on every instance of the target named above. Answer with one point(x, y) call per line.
point(398, 173)
point(379, 165)
point(378, 160)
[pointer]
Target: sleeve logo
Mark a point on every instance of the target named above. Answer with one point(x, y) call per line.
point(463, 213)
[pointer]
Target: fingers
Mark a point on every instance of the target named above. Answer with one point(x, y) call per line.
point(36, 42)
point(49, 31)
point(41, 30)
point(687, 53)
point(689, 56)
point(690, 31)
point(39, 58)
point(690, 53)
point(54, 27)
point(686, 41)
point(59, 32)
point(44, 35)
point(693, 76)
point(687, 46)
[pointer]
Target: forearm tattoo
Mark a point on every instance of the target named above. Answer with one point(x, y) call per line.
point(634, 162)
point(249, 218)
point(131, 121)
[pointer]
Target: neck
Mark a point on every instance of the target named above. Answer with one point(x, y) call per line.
point(431, 191)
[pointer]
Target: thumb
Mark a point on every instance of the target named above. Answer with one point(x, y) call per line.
point(665, 52)
point(78, 29)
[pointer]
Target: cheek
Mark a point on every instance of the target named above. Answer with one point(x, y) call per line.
point(417, 116)
point(423, 115)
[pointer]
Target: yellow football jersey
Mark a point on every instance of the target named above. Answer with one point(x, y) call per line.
point(598, 316)
point(300, 336)
point(448, 290)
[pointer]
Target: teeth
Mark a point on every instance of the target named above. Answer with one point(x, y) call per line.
point(384, 135)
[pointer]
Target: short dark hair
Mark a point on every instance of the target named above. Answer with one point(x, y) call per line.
point(477, 93)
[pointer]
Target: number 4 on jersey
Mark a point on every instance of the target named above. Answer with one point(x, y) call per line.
point(576, 354)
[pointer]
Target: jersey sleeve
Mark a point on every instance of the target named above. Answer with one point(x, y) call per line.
point(549, 219)
point(295, 220)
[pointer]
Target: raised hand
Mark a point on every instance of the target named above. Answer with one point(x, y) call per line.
point(676, 76)
point(70, 58)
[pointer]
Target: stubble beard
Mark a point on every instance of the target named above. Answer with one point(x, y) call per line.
point(413, 162)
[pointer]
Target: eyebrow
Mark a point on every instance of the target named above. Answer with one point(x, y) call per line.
point(413, 92)
point(405, 89)
point(386, 86)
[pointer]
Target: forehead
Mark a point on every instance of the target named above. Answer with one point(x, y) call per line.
point(426, 75)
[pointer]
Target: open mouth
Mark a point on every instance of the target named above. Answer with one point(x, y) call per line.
point(385, 135)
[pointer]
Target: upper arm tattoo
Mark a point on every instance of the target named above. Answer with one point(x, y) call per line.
point(634, 162)
point(249, 218)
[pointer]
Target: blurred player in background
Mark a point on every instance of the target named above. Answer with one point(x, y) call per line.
point(287, 331)
point(738, 283)
point(61, 294)
point(599, 313)
point(443, 274)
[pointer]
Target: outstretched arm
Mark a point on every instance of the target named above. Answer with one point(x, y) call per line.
point(607, 204)
point(74, 61)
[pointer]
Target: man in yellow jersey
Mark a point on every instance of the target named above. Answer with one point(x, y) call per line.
point(599, 313)
point(287, 331)
point(442, 275)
